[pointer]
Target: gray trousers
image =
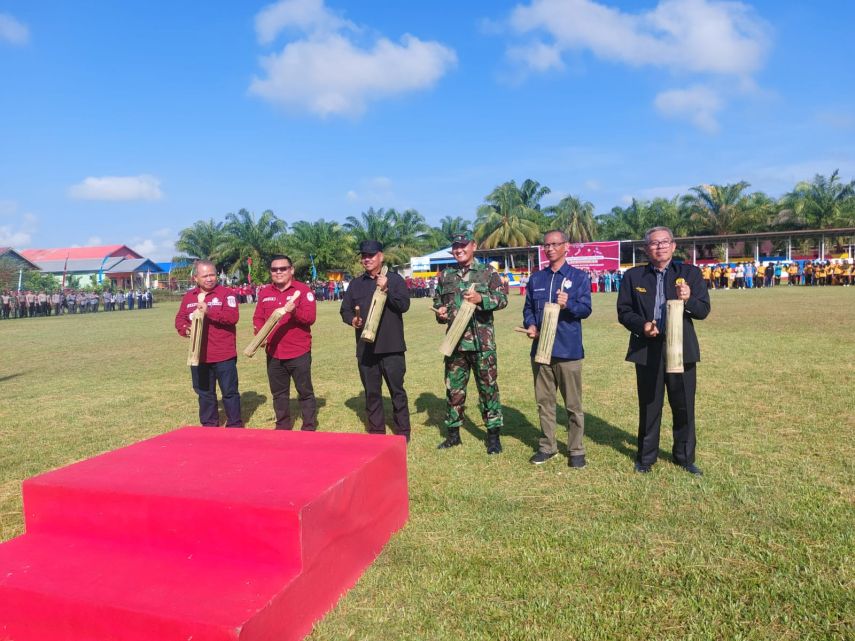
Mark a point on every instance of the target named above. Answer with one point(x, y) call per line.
point(565, 376)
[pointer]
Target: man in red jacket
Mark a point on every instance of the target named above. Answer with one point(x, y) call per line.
point(289, 346)
point(218, 359)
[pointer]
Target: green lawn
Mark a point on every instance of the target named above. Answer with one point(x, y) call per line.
point(760, 548)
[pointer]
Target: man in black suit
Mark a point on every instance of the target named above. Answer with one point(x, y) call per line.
point(641, 308)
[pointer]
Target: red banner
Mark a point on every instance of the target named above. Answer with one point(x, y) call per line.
point(598, 257)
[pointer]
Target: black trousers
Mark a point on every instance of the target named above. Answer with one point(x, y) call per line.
point(652, 382)
point(205, 378)
point(373, 370)
point(280, 371)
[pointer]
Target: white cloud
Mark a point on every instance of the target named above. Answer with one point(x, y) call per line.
point(325, 72)
point(142, 187)
point(710, 38)
point(306, 16)
point(159, 245)
point(698, 104)
point(13, 31)
point(682, 35)
point(18, 234)
point(93, 241)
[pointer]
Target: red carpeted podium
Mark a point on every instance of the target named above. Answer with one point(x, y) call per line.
point(201, 534)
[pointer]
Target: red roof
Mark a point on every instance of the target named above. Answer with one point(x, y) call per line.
point(80, 253)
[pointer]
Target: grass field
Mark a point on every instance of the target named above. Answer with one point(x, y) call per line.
point(760, 548)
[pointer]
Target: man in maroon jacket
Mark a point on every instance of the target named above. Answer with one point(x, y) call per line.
point(289, 346)
point(218, 359)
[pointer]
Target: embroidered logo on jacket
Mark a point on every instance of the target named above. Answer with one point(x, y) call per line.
point(641, 290)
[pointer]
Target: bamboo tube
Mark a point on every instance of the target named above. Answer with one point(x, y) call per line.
point(548, 328)
point(458, 326)
point(674, 337)
point(268, 327)
point(197, 329)
point(375, 312)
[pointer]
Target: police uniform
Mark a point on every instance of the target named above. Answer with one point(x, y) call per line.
point(476, 351)
point(218, 357)
point(384, 358)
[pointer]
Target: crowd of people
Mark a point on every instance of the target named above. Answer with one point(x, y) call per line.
point(751, 275)
point(34, 304)
point(465, 297)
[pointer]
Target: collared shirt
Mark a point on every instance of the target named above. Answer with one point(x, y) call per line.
point(293, 335)
point(542, 288)
point(390, 331)
point(661, 305)
point(220, 322)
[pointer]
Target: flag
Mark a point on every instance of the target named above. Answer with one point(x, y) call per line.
point(314, 269)
point(249, 271)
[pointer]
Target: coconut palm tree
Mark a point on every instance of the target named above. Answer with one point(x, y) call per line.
point(201, 241)
point(574, 217)
point(532, 192)
point(327, 242)
point(506, 220)
point(719, 209)
point(245, 238)
point(824, 202)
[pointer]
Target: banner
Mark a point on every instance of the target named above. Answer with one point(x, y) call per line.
point(598, 257)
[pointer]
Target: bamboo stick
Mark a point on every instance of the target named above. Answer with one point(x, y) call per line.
point(674, 337)
point(458, 326)
point(197, 329)
point(375, 312)
point(548, 329)
point(268, 327)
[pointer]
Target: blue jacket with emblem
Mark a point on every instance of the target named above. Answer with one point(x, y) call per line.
point(543, 288)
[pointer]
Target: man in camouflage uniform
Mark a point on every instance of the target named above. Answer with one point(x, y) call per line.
point(476, 350)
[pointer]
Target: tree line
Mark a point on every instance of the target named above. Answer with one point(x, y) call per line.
point(510, 216)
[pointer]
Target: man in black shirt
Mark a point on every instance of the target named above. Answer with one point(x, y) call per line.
point(384, 358)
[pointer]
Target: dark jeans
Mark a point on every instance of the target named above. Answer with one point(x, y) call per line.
point(373, 370)
point(205, 378)
point(280, 371)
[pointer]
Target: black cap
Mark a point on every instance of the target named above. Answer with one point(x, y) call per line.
point(463, 238)
point(370, 247)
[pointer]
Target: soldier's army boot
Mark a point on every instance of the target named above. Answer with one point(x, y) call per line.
point(451, 440)
point(494, 445)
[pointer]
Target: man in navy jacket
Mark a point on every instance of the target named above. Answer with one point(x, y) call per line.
point(641, 308)
point(571, 289)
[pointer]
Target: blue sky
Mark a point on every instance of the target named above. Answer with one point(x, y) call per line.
point(124, 122)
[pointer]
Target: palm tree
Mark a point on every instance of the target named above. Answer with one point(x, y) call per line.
point(403, 234)
point(574, 217)
point(719, 209)
point(532, 193)
point(374, 224)
point(506, 220)
point(245, 237)
point(201, 241)
point(626, 223)
point(823, 203)
point(327, 242)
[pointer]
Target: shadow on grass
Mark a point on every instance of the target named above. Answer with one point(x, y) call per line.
point(249, 403)
point(516, 425)
point(9, 377)
point(604, 433)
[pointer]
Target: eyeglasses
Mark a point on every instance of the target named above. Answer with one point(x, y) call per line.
point(553, 245)
point(660, 243)
point(276, 270)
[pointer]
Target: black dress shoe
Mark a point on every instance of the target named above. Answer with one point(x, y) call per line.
point(577, 461)
point(642, 469)
point(691, 468)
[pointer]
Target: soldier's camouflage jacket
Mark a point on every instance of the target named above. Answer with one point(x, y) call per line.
point(452, 283)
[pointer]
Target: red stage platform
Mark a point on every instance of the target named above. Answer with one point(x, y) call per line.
point(201, 534)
